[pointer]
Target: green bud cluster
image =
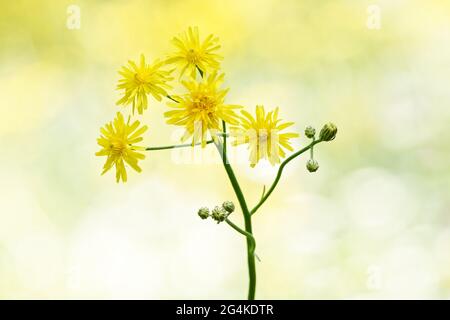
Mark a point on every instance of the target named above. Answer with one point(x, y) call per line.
point(327, 133)
point(218, 214)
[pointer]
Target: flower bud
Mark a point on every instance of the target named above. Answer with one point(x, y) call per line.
point(310, 132)
point(203, 213)
point(218, 214)
point(312, 165)
point(228, 206)
point(328, 132)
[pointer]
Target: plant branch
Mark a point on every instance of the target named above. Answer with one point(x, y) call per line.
point(243, 232)
point(280, 171)
point(175, 146)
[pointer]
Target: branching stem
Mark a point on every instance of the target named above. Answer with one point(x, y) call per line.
point(280, 171)
point(243, 232)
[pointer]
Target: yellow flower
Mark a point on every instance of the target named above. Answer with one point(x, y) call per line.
point(193, 54)
point(262, 135)
point(140, 80)
point(117, 139)
point(202, 109)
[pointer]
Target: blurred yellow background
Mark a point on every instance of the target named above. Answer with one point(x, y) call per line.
point(373, 222)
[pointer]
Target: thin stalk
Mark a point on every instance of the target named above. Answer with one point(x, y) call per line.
point(247, 217)
point(280, 171)
point(175, 146)
point(243, 232)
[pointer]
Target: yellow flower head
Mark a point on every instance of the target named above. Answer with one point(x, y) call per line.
point(116, 140)
point(262, 135)
point(201, 109)
point(140, 80)
point(193, 54)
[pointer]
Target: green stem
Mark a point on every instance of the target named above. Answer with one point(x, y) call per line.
point(280, 171)
point(224, 136)
point(243, 232)
point(175, 146)
point(247, 216)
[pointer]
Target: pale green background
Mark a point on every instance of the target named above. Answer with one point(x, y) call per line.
point(373, 222)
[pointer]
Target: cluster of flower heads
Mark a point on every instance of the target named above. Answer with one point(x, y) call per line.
point(200, 109)
point(218, 213)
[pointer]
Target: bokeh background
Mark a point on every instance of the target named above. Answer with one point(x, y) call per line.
point(373, 222)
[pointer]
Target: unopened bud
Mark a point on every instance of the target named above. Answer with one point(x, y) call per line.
point(312, 165)
point(218, 214)
point(328, 132)
point(310, 132)
point(203, 213)
point(228, 206)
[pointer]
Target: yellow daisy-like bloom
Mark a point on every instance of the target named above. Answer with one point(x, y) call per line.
point(193, 54)
point(262, 135)
point(117, 139)
point(140, 80)
point(202, 109)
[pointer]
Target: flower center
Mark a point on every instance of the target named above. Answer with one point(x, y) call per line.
point(140, 78)
point(192, 56)
point(204, 103)
point(117, 147)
